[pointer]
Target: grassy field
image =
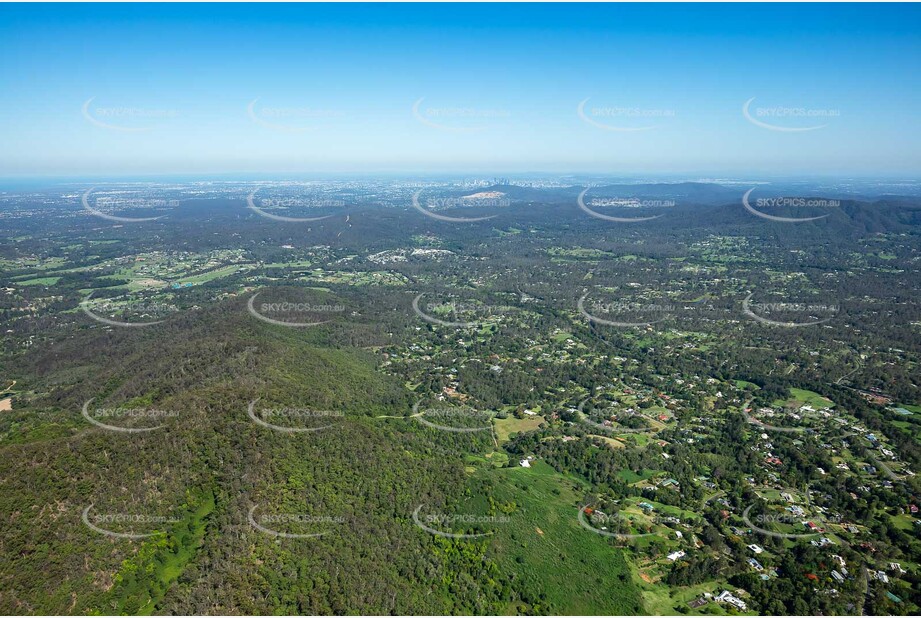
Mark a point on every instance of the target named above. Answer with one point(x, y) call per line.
point(911, 429)
point(630, 476)
point(211, 275)
point(32, 263)
point(616, 444)
point(661, 509)
point(640, 439)
point(665, 600)
point(355, 278)
point(800, 397)
point(40, 281)
point(505, 427)
point(579, 572)
point(578, 253)
point(289, 265)
point(159, 563)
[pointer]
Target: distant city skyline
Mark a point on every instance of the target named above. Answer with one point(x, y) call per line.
point(656, 90)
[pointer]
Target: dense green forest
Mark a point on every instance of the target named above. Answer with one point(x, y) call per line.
point(287, 469)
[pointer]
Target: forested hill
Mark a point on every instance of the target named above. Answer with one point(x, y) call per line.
point(201, 474)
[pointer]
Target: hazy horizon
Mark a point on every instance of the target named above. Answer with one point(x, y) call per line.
point(767, 90)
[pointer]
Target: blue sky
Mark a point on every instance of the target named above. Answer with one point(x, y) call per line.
point(156, 89)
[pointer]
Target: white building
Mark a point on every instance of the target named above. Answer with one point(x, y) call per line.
point(727, 597)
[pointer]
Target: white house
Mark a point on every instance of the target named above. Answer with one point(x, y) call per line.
point(726, 597)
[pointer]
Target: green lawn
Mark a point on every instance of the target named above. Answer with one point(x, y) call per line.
point(211, 275)
point(912, 429)
point(800, 397)
point(507, 426)
point(544, 545)
point(661, 600)
point(40, 281)
point(145, 578)
point(629, 476)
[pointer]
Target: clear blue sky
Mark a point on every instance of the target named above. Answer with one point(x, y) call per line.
point(513, 76)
